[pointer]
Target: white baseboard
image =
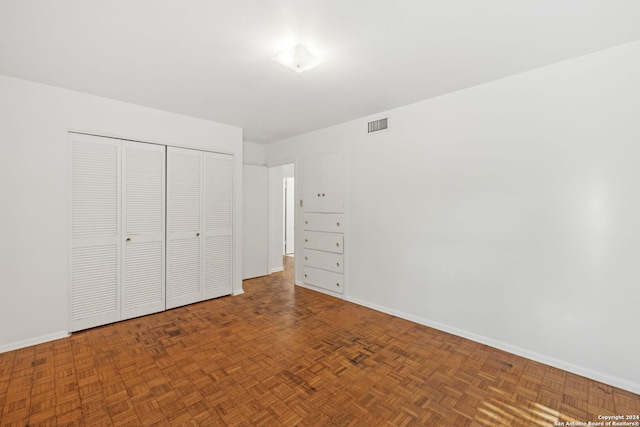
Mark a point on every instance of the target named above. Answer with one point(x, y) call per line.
point(322, 291)
point(277, 269)
point(538, 357)
point(237, 292)
point(560, 364)
point(33, 341)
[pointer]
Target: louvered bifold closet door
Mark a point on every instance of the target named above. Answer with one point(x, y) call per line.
point(218, 224)
point(184, 208)
point(143, 229)
point(95, 231)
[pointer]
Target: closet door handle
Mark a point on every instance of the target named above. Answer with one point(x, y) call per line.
point(128, 239)
point(197, 234)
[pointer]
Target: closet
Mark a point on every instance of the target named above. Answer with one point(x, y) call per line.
point(324, 222)
point(199, 226)
point(144, 238)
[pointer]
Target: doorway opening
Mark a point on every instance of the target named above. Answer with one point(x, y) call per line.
point(289, 216)
point(282, 208)
point(289, 199)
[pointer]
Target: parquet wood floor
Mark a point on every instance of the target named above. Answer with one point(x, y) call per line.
point(281, 355)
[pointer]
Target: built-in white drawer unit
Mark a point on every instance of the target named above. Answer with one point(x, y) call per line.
point(323, 225)
point(331, 223)
point(324, 279)
point(329, 242)
point(324, 260)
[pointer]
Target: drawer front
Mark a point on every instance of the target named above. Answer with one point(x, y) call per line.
point(332, 223)
point(329, 242)
point(324, 279)
point(324, 260)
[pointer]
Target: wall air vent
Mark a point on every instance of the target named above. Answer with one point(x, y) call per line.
point(378, 125)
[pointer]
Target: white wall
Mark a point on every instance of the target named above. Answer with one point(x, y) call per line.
point(507, 213)
point(288, 170)
point(252, 153)
point(257, 255)
point(276, 214)
point(34, 124)
point(289, 212)
point(255, 246)
point(277, 174)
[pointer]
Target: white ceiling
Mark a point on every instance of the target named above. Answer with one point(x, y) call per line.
point(212, 58)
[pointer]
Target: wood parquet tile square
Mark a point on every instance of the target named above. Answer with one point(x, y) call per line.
point(281, 355)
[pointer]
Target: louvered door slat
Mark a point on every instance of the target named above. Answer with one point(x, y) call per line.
point(218, 259)
point(219, 206)
point(144, 189)
point(218, 266)
point(94, 188)
point(185, 186)
point(143, 206)
point(143, 275)
point(95, 231)
point(94, 277)
point(184, 270)
point(184, 207)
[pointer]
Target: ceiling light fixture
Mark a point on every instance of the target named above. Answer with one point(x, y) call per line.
point(298, 59)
